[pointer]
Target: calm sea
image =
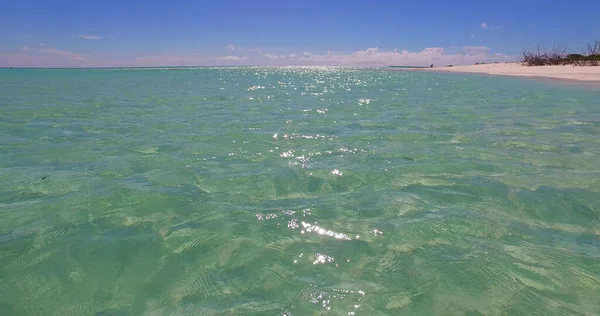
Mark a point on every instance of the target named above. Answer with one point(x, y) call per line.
point(297, 191)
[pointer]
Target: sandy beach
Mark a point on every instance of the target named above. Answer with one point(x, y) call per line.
point(568, 72)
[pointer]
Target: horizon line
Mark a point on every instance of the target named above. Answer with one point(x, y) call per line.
point(218, 66)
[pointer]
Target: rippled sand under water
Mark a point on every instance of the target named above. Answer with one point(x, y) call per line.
point(297, 191)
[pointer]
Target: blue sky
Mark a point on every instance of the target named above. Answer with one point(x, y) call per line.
point(45, 33)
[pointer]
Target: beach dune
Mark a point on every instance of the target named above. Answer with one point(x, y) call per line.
point(569, 72)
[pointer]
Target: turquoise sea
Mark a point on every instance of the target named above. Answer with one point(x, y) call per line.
point(297, 191)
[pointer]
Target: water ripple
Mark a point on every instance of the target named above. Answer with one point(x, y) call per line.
point(296, 191)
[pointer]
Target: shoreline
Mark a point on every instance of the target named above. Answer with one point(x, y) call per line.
point(581, 74)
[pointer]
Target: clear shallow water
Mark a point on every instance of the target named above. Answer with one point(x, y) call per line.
point(297, 191)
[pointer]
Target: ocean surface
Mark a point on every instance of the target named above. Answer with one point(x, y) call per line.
point(297, 191)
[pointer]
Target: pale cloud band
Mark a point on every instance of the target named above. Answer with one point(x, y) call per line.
point(51, 57)
point(487, 26)
point(56, 52)
point(367, 57)
point(90, 37)
point(377, 57)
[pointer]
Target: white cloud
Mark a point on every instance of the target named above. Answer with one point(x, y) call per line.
point(56, 52)
point(187, 60)
point(235, 48)
point(274, 56)
point(487, 26)
point(50, 57)
point(377, 57)
point(24, 60)
point(170, 61)
point(90, 37)
point(232, 58)
point(439, 56)
point(502, 57)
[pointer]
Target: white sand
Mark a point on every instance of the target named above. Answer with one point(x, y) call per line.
point(514, 69)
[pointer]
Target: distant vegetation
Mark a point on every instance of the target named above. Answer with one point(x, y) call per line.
point(590, 56)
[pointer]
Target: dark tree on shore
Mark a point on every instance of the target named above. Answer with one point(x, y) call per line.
point(558, 56)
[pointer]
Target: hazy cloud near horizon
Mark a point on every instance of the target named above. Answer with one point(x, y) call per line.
point(44, 57)
point(90, 37)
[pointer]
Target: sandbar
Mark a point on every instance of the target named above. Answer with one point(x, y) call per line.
point(567, 72)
